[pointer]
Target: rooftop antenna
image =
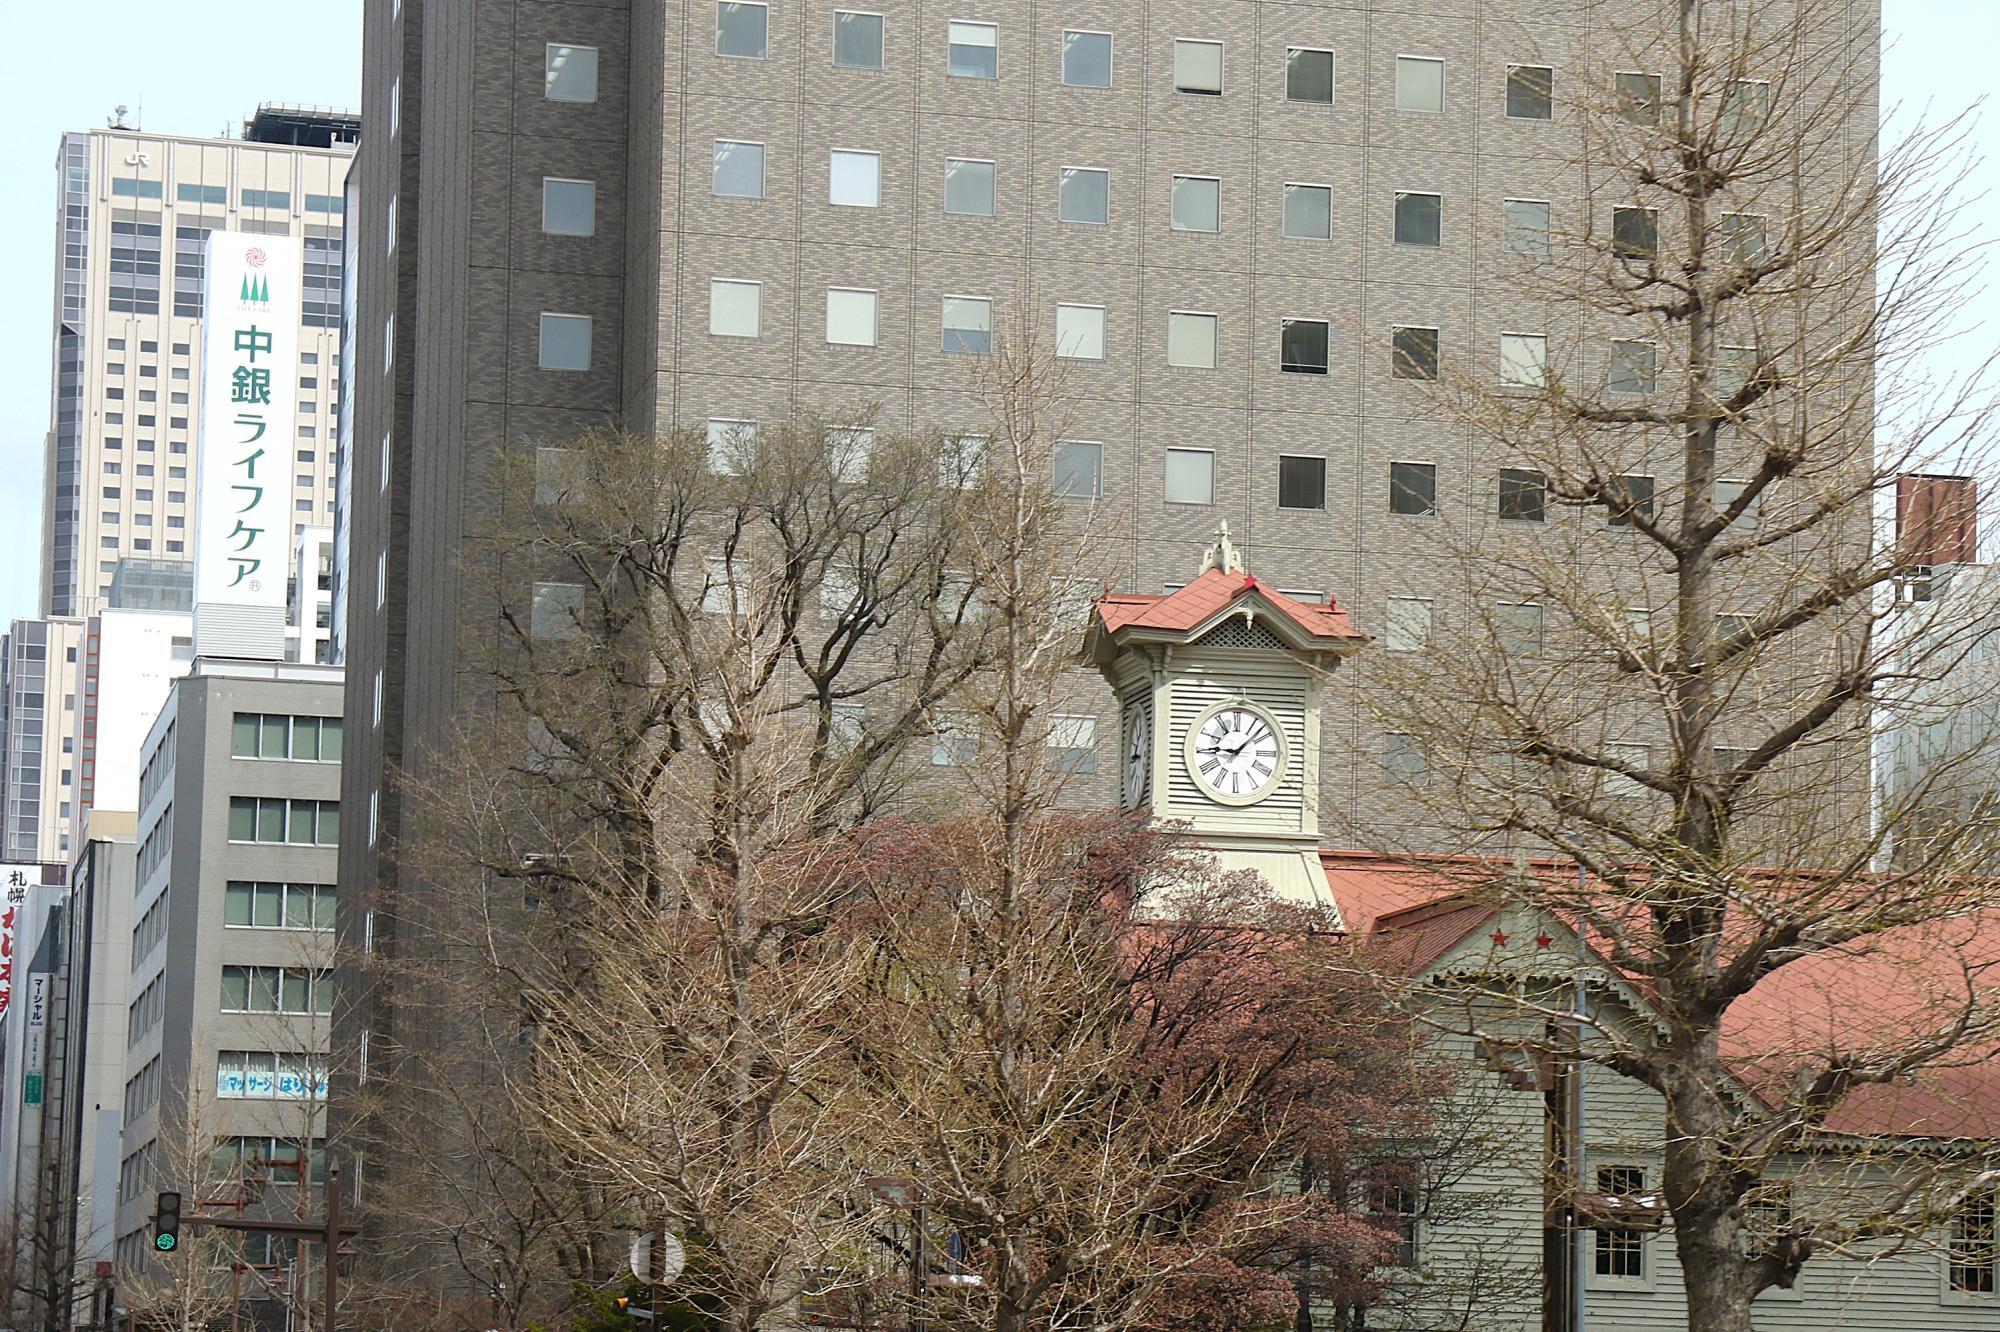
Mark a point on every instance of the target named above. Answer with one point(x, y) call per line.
point(117, 120)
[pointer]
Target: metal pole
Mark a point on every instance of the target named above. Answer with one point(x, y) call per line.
point(917, 1320)
point(332, 1277)
point(1582, 1011)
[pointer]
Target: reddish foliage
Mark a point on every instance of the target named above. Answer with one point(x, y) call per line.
point(1197, 985)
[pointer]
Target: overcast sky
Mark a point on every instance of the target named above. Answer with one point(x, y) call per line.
point(196, 66)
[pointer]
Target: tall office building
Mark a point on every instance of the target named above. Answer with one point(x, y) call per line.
point(1232, 219)
point(37, 743)
point(135, 210)
point(122, 463)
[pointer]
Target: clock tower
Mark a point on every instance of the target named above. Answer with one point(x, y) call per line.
point(1218, 688)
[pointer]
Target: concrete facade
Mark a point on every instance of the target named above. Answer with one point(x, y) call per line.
point(231, 934)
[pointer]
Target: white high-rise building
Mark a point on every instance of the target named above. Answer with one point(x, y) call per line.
point(136, 209)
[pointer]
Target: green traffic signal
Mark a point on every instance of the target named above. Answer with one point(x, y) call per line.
point(167, 1223)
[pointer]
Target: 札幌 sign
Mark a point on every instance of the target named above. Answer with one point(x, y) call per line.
point(15, 880)
point(249, 402)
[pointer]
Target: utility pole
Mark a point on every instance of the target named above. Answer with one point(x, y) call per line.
point(329, 1231)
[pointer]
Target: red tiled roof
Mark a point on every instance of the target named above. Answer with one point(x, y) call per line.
point(1871, 996)
point(1212, 593)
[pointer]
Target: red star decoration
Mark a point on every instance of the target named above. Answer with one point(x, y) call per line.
point(1543, 940)
point(1499, 938)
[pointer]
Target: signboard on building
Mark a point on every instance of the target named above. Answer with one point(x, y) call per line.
point(15, 880)
point(35, 1049)
point(249, 403)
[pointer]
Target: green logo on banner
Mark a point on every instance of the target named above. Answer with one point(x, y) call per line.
point(256, 289)
point(31, 1089)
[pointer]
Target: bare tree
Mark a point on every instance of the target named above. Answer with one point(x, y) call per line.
point(194, 1287)
point(729, 644)
point(1679, 603)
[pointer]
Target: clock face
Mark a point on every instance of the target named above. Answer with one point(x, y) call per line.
point(1138, 753)
point(1235, 753)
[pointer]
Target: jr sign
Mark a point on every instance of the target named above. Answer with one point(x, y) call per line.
point(249, 399)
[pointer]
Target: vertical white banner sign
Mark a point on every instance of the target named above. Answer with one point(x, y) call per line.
point(249, 404)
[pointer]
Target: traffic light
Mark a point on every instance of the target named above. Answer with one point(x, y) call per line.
point(167, 1223)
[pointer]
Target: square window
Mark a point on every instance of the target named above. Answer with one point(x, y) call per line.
point(1531, 92)
point(1309, 75)
point(1741, 238)
point(1524, 360)
point(968, 325)
point(732, 446)
point(1638, 757)
point(1633, 367)
point(734, 308)
point(972, 50)
point(1197, 203)
point(1727, 493)
point(1301, 482)
point(1419, 83)
point(1404, 762)
point(565, 342)
point(1523, 495)
point(1413, 352)
point(556, 611)
point(1198, 67)
point(1525, 223)
point(1746, 108)
point(850, 317)
point(1302, 346)
point(1733, 368)
point(724, 590)
point(1085, 195)
point(854, 178)
point(1080, 332)
point(1072, 743)
point(1086, 59)
point(1419, 219)
point(739, 169)
point(1190, 476)
point(1076, 469)
point(741, 29)
point(1309, 212)
point(1517, 626)
point(1407, 625)
point(569, 207)
point(960, 460)
point(857, 39)
point(968, 186)
point(1628, 495)
point(570, 73)
point(954, 743)
point(1191, 339)
point(1413, 488)
point(558, 475)
point(1638, 97)
point(1635, 233)
point(848, 450)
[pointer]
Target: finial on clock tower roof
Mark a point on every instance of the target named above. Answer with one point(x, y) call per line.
point(1222, 554)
